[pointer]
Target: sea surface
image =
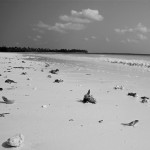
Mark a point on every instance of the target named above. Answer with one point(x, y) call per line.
point(140, 61)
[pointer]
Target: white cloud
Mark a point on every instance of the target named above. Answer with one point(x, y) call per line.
point(38, 37)
point(93, 37)
point(84, 16)
point(86, 39)
point(142, 37)
point(107, 39)
point(60, 27)
point(132, 40)
point(139, 28)
point(88, 13)
point(74, 19)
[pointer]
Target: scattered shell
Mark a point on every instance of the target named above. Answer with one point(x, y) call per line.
point(7, 101)
point(15, 141)
point(44, 106)
point(132, 94)
point(58, 81)
point(23, 73)
point(3, 114)
point(49, 76)
point(9, 81)
point(100, 121)
point(144, 99)
point(118, 87)
point(54, 71)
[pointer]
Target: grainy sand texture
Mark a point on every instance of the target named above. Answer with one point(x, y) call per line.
point(52, 116)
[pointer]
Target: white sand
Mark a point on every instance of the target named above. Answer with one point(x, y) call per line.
point(64, 123)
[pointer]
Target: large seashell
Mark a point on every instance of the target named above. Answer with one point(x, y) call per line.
point(15, 141)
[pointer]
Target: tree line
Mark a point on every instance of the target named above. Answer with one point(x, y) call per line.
point(29, 49)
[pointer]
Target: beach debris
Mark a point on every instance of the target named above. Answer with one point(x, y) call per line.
point(18, 67)
point(54, 71)
point(132, 94)
point(42, 70)
point(89, 98)
point(47, 65)
point(7, 101)
point(58, 81)
point(118, 87)
point(1, 89)
point(23, 62)
point(3, 114)
point(44, 106)
point(15, 141)
point(133, 123)
point(49, 76)
point(71, 120)
point(100, 121)
point(144, 99)
point(23, 73)
point(10, 81)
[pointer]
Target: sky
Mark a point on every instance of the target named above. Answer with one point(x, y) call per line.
point(99, 26)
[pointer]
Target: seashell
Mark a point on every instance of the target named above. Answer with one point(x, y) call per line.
point(15, 141)
point(58, 81)
point(89, 98)
point(10, 81)
point(7, 101)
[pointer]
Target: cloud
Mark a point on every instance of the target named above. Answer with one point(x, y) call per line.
point(139, 28)
point(139, 32)
point(84, 16)
point(132, 40)
point(88, 13)
point(60, 27)
point(107, 39)
point(142, 28)
point(128, 40)
point(75, 21)
point(142, 37)
point(93, 37)
point(88, 38)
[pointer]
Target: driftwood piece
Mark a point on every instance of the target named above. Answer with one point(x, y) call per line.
point(133, 123)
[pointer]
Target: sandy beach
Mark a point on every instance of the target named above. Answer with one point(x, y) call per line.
point(51, 115)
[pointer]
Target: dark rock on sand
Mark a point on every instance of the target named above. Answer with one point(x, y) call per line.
point(58, 81)
point(144, 99)
point(54, 71)
point(15, 141)
point(23, 73)
point(7, 101)
point(132, 94)
point(3, 114)
point(89, 98)
point(133, 123)
point(100, 121)
point(9, 81)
